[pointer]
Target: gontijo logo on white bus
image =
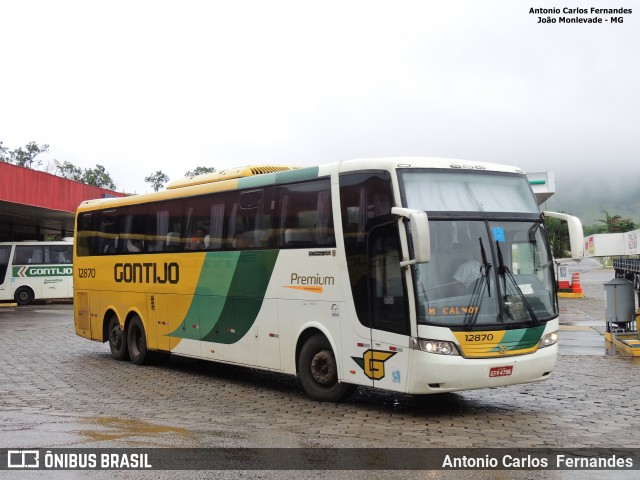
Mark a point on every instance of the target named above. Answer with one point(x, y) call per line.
point(40, 271)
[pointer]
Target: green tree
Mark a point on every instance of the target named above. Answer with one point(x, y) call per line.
point(593, 229)
point(157, 180)
point(4, 153)
point(24, 156)
point(617, 224)
point(70, 171)
point(199, 171)
point(558, 232)
point(98, 177)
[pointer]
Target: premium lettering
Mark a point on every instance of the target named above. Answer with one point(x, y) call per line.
point(297, 279)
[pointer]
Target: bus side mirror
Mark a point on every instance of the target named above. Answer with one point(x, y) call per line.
point(576, 235)
point(419, 234)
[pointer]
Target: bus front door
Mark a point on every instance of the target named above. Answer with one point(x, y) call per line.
point(5, 255)
point(388, 360)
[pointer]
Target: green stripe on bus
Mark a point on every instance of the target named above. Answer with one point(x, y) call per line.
point(245, 297)
point(229, 295)
point(520, 339)
point(212, 288)
point(279, 177)
point(297, 175)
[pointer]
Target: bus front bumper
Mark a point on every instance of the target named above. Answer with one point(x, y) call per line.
point(433, 373)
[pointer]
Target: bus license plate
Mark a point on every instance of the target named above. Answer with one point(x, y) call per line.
point(500, 371)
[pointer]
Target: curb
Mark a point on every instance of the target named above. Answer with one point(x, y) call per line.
point(570, 295)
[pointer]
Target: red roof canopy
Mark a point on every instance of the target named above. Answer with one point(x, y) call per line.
point(34, 204)
point(39, 189)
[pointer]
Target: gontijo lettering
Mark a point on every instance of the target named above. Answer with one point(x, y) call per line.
point(25, 272)
point(146, 272)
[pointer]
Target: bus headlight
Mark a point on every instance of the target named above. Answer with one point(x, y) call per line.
point(549, 339)
point(434, 346)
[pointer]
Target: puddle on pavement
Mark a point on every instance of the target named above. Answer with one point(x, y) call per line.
point(580, 340)
point(612, 351)
point(111, 428)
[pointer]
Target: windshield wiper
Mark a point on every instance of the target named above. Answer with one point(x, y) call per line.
point(506, 273)
point(486, 266)
point(481, 284)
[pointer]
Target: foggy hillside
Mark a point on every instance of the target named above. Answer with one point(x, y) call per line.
point(588, 197)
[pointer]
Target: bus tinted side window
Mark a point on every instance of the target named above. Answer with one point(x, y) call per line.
point(107, 243)
point(86, 237)
point(132, 231)
point(305, 216)
point(29, 255)
point(249, 220)
point(167, 231)
point(365, 202)
point(205, 222)
point(5, 252)
point(290, 216)
point(56, 254)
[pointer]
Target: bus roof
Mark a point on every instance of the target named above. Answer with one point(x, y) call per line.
point(260, 176)
point(392, 163)
point(227, 174)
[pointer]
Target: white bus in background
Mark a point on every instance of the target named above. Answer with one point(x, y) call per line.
point(36, 271)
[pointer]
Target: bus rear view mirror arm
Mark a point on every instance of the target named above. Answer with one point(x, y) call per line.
point(419, 234)
point(576, 234)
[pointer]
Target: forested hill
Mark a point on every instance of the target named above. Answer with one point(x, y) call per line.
point(587, 199)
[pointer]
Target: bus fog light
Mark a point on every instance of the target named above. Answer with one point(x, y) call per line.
point(549, 339)
point(434, 346)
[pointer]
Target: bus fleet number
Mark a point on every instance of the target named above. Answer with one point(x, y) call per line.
point(87, 273)
point(479, 337)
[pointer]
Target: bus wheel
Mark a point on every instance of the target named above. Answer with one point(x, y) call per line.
point(24, 296)
point(117, 340)
point(319, 371)
point(137, 342)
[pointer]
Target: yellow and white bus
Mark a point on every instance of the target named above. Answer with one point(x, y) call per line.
point(35, 271)
point(416, 275)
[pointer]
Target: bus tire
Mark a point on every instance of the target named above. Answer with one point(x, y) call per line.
point(318, 371)
point(137, 342)
point(24, 296)
point(117, 340)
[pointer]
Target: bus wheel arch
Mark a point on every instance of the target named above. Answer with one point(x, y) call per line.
point(24, 295)
point(106, 320)
point(116, 337)
point(317, 368)
point(137, 340)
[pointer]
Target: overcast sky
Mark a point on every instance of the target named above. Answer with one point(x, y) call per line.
point(139, 86)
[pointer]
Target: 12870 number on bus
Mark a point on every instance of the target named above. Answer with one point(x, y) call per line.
point(478, 337)
point(86, 273)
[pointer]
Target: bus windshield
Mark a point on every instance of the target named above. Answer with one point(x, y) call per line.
point(474, 191)
point(5, 252)
point(486, 273)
